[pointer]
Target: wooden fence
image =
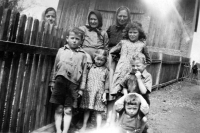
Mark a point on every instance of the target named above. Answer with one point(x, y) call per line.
point(27, 52)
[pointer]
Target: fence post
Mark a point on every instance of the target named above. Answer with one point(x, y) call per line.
point(179, 68)
point(159, 69)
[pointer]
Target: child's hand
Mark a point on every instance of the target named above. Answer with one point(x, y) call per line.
point(80, 93)
point(138, 75)
point(104, 97)
point(125, 92)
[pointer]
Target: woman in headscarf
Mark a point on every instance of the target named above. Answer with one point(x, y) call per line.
point(95, 37)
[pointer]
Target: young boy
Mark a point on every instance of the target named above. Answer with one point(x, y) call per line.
point(129, 107)
point(138, 80)
point(68, 75)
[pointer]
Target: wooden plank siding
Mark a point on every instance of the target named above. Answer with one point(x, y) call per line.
point(170, 33)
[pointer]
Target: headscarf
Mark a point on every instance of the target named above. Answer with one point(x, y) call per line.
point(45, 12)
point(100, 23)
point(128, 12)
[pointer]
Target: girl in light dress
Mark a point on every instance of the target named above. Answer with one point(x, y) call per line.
point(94, 96)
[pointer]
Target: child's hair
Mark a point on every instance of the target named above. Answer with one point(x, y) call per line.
point(127, 10)
point(134, 25)
point(49, 9)
point(77, 31)
point(132, 100)
point(101, 52)
point(139, 56)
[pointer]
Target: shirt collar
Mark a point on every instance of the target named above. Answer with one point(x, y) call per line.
point(145, 73)
point(76, 50)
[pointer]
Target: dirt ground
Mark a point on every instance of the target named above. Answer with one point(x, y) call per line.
point(175, 109)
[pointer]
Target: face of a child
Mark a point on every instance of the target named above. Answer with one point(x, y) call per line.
point(133, 35)
point(131, 110)
point(74, 41)
point(50, 17)
point(122, 17)
point(137, 65)
point(99, 61)
point(93, 21)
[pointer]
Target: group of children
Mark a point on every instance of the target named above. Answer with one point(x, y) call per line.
point(106, 71)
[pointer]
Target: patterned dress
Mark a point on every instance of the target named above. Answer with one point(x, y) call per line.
point(97, 84)
point(127, 49)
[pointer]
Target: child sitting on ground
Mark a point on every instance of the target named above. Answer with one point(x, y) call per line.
point(68, 75)
point(130, 107)
point(94, 96)
point(137, 80)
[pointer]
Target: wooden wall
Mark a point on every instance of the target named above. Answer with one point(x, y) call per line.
point(171, 34)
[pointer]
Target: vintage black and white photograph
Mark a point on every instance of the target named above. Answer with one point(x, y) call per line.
point(99, 66)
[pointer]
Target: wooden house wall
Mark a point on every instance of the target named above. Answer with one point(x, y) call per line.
point(171, 34)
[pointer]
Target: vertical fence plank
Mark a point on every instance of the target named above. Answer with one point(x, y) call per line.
point(22, 23)
point(5, 24)
point(34, 32)
point(41, 96)
point(30, 93)
point(14, 26)
point(36, 90)
point(63, 40)
point(23, 99)
point(54, 32)
point(10, 91)
point(5, 71)
point(59, 34)
point(1, 13)
point(159, 70)
point(50, 41)
point(43, 112)
point(40, 33)
point(18, 89)
point(28, 30)
point(45, 36)
point(179, 68)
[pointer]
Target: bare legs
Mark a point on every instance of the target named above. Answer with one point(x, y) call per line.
point(85, 120)
point(58, 118)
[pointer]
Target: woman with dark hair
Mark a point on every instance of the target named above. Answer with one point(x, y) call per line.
point(49, 15)
point(115, 35)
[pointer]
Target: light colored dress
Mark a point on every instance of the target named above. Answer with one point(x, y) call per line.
point(97, 84)
point(127, 49)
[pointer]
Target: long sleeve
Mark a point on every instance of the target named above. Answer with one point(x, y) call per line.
point(116, 49)
point(84, 75)
point(146, 53)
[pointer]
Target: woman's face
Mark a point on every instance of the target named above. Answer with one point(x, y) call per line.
point(93, 21)
point(50, 17)
point(122, 17)
point(133, 34)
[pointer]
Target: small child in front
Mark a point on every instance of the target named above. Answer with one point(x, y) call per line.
point(94, 96)
point(130, 106)
point(68, 78)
